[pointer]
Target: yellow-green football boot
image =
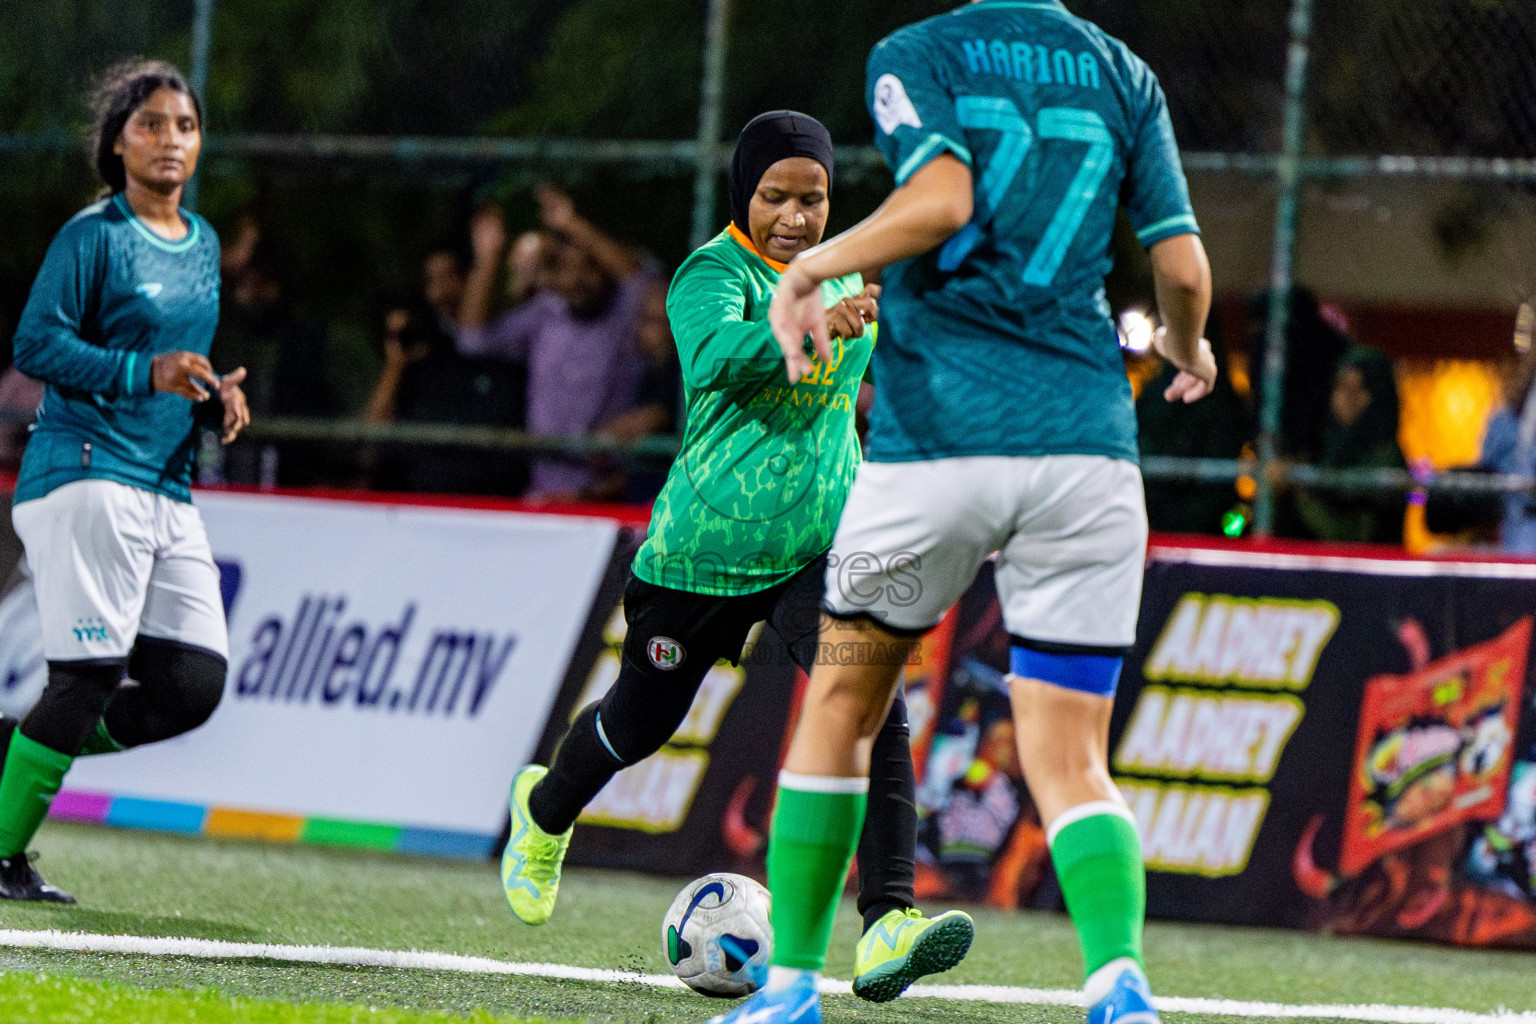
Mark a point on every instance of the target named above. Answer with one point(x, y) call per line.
point(530, 865)
point(904, 946)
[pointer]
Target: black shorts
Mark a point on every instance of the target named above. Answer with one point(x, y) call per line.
point(673, 629)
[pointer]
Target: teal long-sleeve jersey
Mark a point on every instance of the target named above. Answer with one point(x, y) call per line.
point(112, 295)
point(1000, 342)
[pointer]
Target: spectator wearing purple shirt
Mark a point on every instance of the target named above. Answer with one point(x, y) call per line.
point(576, 333)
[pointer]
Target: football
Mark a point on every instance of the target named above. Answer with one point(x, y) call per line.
point(717, 935)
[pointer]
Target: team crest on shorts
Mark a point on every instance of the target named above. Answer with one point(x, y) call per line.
point(665, 653)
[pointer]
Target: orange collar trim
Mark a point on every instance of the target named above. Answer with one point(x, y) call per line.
point(746, 243)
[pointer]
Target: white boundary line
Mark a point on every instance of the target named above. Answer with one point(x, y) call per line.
point(354, 956)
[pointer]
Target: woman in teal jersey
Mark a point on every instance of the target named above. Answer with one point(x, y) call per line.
point(739, 536)
point(117, 328)
point(1003, 423)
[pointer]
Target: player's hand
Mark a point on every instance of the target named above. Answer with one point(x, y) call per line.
point(848, 317)
point(1192, 382)
point(796, 311)
point(183, 373)
point(237, 414)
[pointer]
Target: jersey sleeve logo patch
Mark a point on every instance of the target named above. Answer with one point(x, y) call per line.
point(892, 106)
point(665, 653)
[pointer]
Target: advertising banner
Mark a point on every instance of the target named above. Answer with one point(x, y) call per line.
point(1433, 748)
point(1305, 740)
point(390, 669)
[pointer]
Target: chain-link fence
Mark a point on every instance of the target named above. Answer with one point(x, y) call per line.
point(1379, 154)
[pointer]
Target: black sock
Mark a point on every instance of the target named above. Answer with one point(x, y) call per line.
point(581, 767)
point(888, 845)
point(873, 913)
point(638, 714)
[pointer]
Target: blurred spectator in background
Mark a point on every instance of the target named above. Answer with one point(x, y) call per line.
point(575, 333)
point(411, 337)
point(1360, 432)
point(1509, 446)
point(528, 267)
point(1215, 428)
point(425, 381)
point(443, 275)
point(415, 329)
point(657, 400)
point(1313, 348)
point(285, 357)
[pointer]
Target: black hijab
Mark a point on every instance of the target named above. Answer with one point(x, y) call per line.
point(1374, 435)
point(767, 139)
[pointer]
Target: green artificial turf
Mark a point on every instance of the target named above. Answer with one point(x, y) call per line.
point(160, 885)
point(43, 999)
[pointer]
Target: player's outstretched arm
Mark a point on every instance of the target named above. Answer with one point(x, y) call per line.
point(920, 215)
point(1182, 276)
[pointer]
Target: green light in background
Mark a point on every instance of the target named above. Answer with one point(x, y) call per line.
point(1235, 522)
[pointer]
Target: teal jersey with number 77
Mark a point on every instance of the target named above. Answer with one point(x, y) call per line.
point(1001, 342)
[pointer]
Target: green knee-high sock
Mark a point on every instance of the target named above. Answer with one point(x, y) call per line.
point(32, 776)
point(1098, 863)
point(100, 741)
point(815, 830)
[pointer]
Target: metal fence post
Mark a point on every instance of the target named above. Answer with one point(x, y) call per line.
point(1283, 259)
point(202, 42)
point(711, 99)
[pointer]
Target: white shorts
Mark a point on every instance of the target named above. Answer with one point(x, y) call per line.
point(110, 563)
point(1070, 532)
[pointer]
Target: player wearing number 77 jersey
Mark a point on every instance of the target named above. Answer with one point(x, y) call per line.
point(1003, 422)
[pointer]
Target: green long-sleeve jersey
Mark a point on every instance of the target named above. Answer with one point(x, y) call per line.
point(765, 468)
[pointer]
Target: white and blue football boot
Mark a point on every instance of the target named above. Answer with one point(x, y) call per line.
point(1118, 993)
point(797, 1003)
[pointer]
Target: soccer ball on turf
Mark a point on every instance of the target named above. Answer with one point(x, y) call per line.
point(717, 937)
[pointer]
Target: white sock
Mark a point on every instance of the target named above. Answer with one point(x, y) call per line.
point(1102, 980)
point(780, 978)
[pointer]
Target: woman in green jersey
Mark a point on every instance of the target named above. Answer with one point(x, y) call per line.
point(739, 535)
